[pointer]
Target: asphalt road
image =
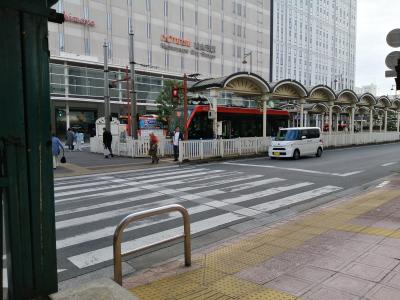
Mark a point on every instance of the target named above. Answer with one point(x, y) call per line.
point(223, 198)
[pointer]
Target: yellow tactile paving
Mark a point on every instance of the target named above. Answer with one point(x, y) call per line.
point(234, 287)
point(268, 294)
point(350, 227)
point(203, 294)
point(268, 250)
point(377, 231)
point(204, 276)
point(395, 235)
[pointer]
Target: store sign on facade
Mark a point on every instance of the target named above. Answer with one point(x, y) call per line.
point(72, 19)
point(173, 43)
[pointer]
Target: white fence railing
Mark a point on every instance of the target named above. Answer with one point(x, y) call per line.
point(201, 149)
point(204, 149)
point(361, 138)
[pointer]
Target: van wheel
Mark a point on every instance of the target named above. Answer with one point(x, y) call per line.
point(296, 154)
point(319, 152)
point(273, 158)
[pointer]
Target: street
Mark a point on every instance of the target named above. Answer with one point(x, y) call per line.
point(223, 198)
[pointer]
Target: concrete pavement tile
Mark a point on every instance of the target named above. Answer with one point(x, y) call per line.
point(313, 274)
point(393, 280)
point(336, 234)
point(325, 293)
point(267, 271)
point(382, 292)
point(365, 220)
point(365, 272)
point(366, 238)
point(291, 285)
point(388, 241)
point(329, 262)
point(346, 253)
point(377, 260)
point(317, 249)
point(346, 283)
point(387, 251)
point(357, 245)
point(387, 224)
point(297, 257)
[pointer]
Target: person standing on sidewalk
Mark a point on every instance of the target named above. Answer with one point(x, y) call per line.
point(70, 139)
point(107, 141)
point(56, 147)
point(79, 140)
point(153, 148)
point(175, 141)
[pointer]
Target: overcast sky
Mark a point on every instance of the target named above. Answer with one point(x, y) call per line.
point(375, 20)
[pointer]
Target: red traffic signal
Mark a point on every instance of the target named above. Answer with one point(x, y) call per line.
point(175, 91)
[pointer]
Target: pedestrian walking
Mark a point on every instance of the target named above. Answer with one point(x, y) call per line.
point(175, 141)
point(79, 141)
point(153, 148)
point(56, 147)
point(70, 139)
point(107, 141)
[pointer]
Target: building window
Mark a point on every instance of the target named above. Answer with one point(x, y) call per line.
point(87, 46)
point(165, 8)
point(109, 21)
point(61, 43)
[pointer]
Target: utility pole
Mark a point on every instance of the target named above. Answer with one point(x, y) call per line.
point(134, 122)
point(185, 108)
point(106, 88)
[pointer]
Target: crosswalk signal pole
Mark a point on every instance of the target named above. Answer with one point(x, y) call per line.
point(134, 121)
point(106, 88)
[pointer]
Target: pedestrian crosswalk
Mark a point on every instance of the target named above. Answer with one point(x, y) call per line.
point(89, 208)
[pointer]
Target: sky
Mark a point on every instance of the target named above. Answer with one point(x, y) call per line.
point(375, 19)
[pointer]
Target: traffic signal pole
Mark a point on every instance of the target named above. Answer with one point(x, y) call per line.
point(134, 121)
point(106, 89)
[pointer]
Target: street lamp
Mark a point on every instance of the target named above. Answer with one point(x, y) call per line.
point(336, 81)
point(251, 59)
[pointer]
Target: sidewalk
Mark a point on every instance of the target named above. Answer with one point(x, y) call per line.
point(349, 249)
point(84, 163)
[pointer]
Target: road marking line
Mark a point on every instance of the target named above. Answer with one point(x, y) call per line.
point(222, 191)
point(109, 231)
point(218, 182)
point(105, 215)
point(276, 204)
point(105, 254)
point(264, 193)
point(107, 204)
point(382, 184)
point(389, 164)
point(104, 194)
point(294, 169)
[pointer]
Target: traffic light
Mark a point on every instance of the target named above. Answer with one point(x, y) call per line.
point(175, 92)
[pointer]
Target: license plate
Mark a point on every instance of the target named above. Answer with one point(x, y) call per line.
point(276, 153)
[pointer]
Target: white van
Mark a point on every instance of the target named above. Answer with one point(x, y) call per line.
point(295, 142)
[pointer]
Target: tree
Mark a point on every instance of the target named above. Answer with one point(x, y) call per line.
point(166, 104)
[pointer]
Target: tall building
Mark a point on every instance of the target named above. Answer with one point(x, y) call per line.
point(314, 42)
point(172, 37)
point(370, 88)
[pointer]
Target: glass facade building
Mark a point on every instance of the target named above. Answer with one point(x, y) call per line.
point(314, 42)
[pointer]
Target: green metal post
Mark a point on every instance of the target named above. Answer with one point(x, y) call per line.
point(25, 161)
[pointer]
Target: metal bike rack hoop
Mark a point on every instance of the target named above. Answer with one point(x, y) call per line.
point(141, 215)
